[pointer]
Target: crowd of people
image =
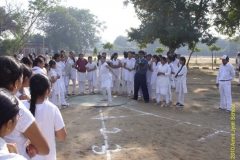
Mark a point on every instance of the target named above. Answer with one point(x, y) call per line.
point(33, 90)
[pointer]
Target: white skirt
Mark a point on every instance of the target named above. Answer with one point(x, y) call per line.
point(162, 90)
point(73, 73)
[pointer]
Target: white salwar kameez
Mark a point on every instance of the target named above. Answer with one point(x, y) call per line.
point(116, 81)
point(154, 76)
point(73, 76)
point(106, 82)
point(38, 70)
point(91, 76)
point(55, 92)
point(123, 70)
point(175, 66)
point(171, 80)
point(149, 76)
point(129, 75)
point(162, 83)
point(181, 85)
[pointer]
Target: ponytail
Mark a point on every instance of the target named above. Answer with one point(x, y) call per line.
point(184, 60)
point(33, 103)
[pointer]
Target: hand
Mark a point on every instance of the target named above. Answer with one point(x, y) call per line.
point(24, 97)
point(12, 148)
point(217, 85)
point(31, 150)
point(129, 69)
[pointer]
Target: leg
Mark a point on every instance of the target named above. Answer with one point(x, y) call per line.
point(149, 89)
point(228, 96)
point(158, 97)
point(123, 86)
point(117, 84)
point(109, 95)
point(136, 85)
point(104, 93)
point(73, 85)
point(90, 86)
point(66, 83)
point(222, 96)
point(79, 87)
point(181, 98)
point(129, 87)
point(143, 83)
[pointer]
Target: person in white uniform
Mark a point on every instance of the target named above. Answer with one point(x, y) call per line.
point(175, 63)
point(106, 80)
point(162, 83)
point(67, 71)
point(99, 67)
point(181, 84)
point(9, 115)
point(171, 77)
point(91, 75)
point(154, 69)
point(123, 70)
point(54, 96)
point(38, 66)
point(73, 76)
point(149, 75)
point(47, 57)
point(225, 75)
point(47, 114)
point(129, 73)
point(238, 67)
point(115, 64)
point(26, 128)
point(59, 70)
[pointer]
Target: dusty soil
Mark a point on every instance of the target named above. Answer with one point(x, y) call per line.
point(140, 131)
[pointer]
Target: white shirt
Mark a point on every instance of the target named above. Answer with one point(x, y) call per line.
point(49, 120)
point(5, 155)
point(38, 70)
point(17, 136)
point(225, 73)
point(47, 58)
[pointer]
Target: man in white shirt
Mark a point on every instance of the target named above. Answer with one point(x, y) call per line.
point(225, 75)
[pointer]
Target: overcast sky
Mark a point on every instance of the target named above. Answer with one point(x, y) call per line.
point(117, 17)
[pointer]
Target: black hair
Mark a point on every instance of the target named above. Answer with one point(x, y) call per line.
point(27, 72)
point(9, 106)
point(80, 54)
point(56, 55)
point(37, 60)
point(104, 53)
point(42, 56)
point(133, 53)
point(31, 57)
point(125, 54)
point(149, 55)
point(10, 70)
point(157, 58)
point(26, 61)
point(89, 57)
point(184, 60)
point(51, 63)
point(39, 83)
point(170, 58)
point(164, 58)
point(141, 52)
point(114, 54)
point(103, 57)
point(62, 51)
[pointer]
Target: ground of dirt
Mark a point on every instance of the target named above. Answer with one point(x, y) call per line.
point(140, 131)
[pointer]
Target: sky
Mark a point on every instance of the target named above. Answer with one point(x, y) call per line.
point(117, 17)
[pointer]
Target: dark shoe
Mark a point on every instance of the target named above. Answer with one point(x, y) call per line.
point(146, 101)
point(238, 85)
point(176, 104)
point(134, 99)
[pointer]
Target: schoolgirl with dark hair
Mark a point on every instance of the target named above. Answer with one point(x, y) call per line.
point(154, 69)
point(27, 61)
point(91, 75)
point(47, 114)
point(54, 96)
point(38, 66)
point(171, 77)
point(8, 119)
point(124, 82)
point(181, 86)
point(24, 93)
point(27, 129)
point(115, 64)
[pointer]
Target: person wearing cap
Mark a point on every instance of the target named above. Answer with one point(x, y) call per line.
point(225, 75)
point(238, 66)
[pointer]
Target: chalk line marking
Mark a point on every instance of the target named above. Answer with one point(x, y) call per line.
point(180, 123)
point(116, 117)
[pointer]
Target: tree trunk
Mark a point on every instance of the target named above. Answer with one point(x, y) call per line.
point(189, 59)
point(171, 51)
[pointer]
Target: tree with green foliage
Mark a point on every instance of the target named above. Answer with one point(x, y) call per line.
point(159, 50)
point(142, 45)
point(108, 46)
point(174, 23)
point(213, 48)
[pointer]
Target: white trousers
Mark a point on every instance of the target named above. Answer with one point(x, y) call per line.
point(239, 77)
point(73, 85)
point(62, 91)
point(81, 87)
point(66, 80)
point(159, 97)
point(116, 84)
point(90, 86)
point(225, 95)
point(149, 89)
point(180, 96)
point(124, 85)
point(109, 97)
point(170, 94)
point(130, 86)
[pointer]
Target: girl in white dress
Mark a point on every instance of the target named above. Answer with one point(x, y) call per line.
point(115, 65)
point(175, 63)
point(162, 84)
point(91, 75)
point(149, 76)
point(129, 73)
point(106, 80)
point(171, 77)
point(181, 85)
point(9, 115)
point(154, 68)
point(47, 114)
point(54, 96)
point(123, 70)
point(38, 66)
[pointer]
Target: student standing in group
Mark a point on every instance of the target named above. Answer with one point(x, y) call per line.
point(115, 64)
point(59, 70)
point(175, 62)
point(47, 114)
point(81, 67)
point(171, 77)
point(54, 96)
point(9, 115)
point(140, 79)
point(27, 128)
point(106, 79)
point(47, 57)
point(225, 75)
point(27, 61)
point(99, 67)
point(149, 75)
point(181, 84)
point(123, 70)
point(73, 71)
point(162, 83)
point(67, 70)
point(129, 73)
point(154, 68)
point(91, 75)
point(38, 65)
